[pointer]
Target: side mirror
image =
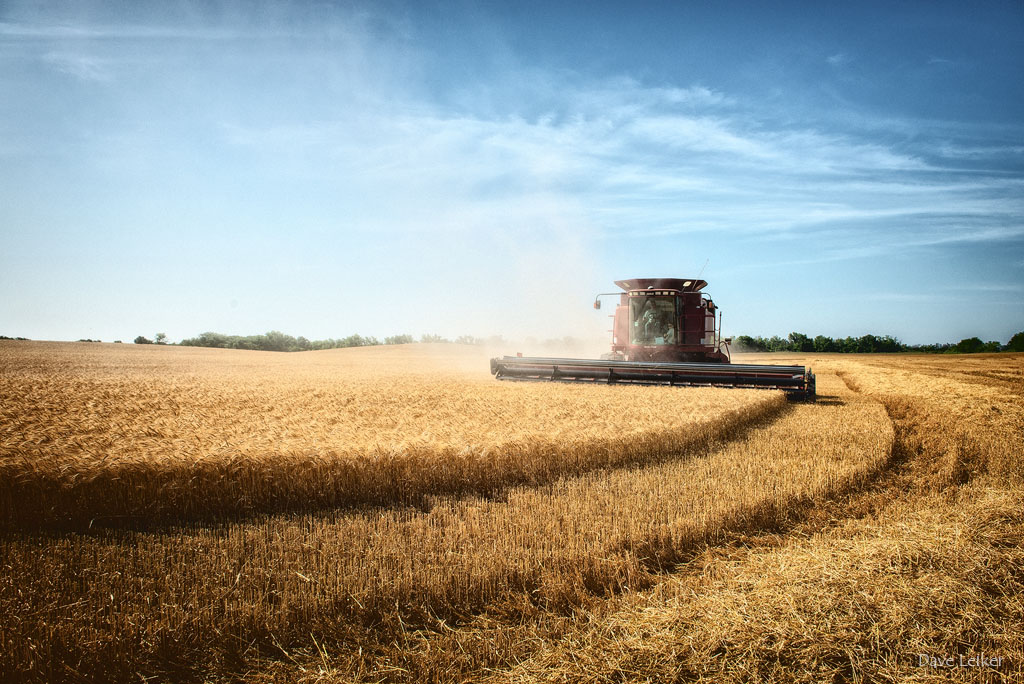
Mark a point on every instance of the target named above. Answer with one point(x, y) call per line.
point(597, 303)
point(727, 340)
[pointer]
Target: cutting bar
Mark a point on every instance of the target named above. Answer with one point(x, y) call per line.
point(797, 381)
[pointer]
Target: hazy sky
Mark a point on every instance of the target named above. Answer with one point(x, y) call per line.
point(487, 167)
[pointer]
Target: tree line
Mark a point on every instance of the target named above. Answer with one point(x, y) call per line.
point(278, 341)
point(869, 344)
point(795, 342)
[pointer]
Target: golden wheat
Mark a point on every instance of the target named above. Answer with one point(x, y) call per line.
point(460, 586)
point(931, 567)
point(861, 602)
point(142, 434)
point(278, 580)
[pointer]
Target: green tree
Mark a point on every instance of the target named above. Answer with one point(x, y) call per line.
point(160, 338)
point(868, 344)
point(207, 339)
point(970, 345)
point(746, 343)
point(824, 344)
point(800, 342)
point(142, 340)
point(276, 341)
point(890, 345)
point(1016, 343)
point(252, 343)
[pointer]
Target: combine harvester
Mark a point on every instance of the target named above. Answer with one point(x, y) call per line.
point(664, 333)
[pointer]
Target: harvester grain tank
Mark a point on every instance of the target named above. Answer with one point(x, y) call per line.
point(665, 331)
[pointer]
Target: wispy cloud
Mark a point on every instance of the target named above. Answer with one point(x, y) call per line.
point(637, 160)
point(128, 31)
point(954, 291)
point(320, 129)
point(83, 67)
point(993, 287)
point(616, 156)
point(978, 152)
point(919, 297)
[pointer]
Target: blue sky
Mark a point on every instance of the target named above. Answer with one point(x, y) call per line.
point(485, 168)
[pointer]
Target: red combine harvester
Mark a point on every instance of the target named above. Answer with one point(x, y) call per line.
point(664, 333)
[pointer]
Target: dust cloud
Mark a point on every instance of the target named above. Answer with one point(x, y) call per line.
point(528, 289)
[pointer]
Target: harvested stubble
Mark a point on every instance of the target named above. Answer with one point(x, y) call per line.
point(131, 435)
point(933, 567)
point(963, 414)
point(214, 597)
point(939, 578)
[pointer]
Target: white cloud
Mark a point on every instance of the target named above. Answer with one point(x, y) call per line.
point(83, 67)
point(620, 156)
point(977, 152)
point(697, 134)
point(80, 31)
point(636, 160)
point(361, 138)
point(994, 287)
point(911, 296)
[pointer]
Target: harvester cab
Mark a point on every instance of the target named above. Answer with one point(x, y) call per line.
point(665, 319)
point(664, 332)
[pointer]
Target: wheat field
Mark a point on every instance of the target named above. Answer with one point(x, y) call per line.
point(924, 564)
point(516, 532)
point(135, 434)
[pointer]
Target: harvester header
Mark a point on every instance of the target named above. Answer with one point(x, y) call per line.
point(665, 331)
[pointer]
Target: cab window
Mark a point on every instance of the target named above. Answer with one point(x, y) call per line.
point(653, 320)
